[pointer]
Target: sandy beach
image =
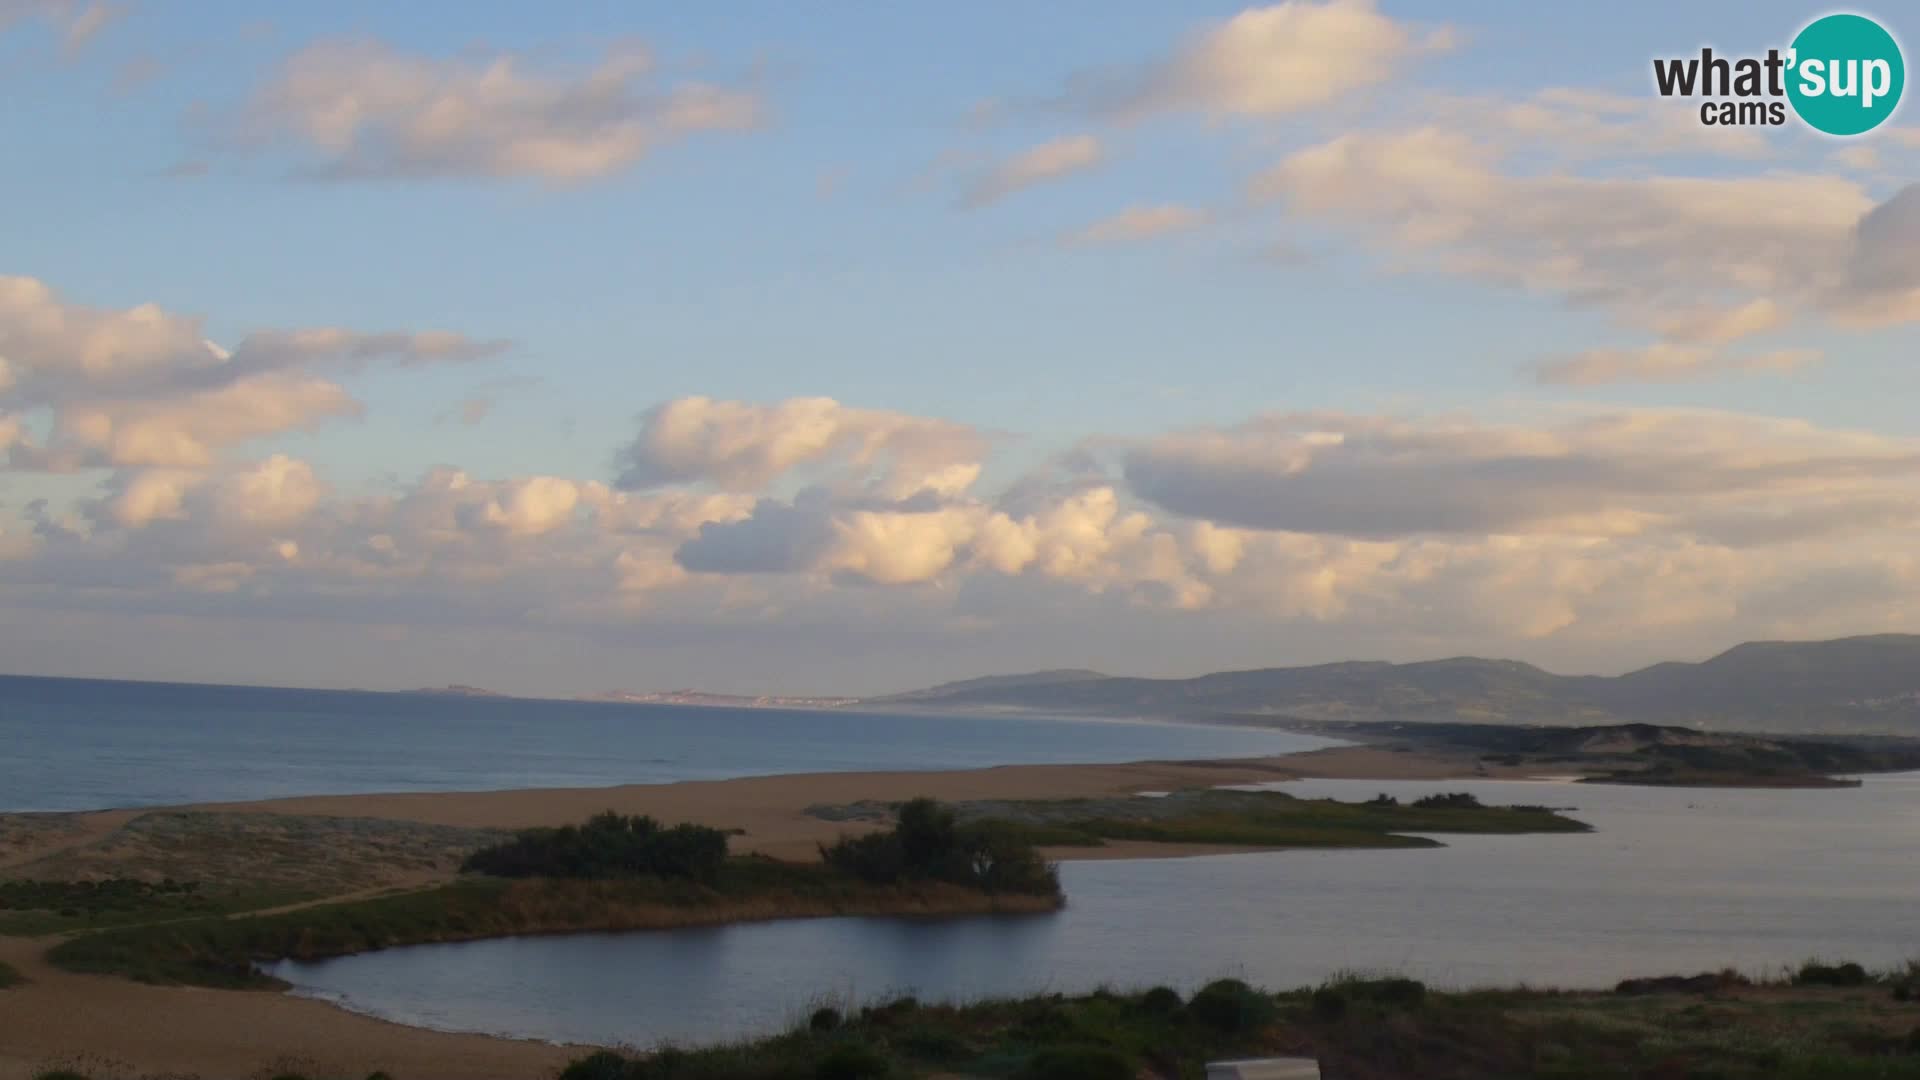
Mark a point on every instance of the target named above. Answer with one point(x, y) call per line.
point(122, 1028)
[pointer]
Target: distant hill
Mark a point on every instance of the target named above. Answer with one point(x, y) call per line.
point(995, 683)
point(1852, 685)
point(458, 690)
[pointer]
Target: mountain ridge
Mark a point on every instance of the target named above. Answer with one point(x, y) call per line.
point(1869, 684)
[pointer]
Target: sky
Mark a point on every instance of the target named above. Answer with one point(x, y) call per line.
point(843, 349)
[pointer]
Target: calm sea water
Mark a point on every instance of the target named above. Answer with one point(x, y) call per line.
point(78, 744)
point(1672, 881)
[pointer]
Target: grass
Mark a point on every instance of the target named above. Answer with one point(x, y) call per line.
point(222, 952)
point(1378, 1027)
point(229, 852)
point(1384, 1028)
point(41, 908)
point(1240, 818)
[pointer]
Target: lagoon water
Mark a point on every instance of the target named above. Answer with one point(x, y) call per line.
point(1672, 880)
point(83, 744)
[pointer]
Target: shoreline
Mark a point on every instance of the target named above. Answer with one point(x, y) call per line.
point(56, 1016)
point(59, 1015)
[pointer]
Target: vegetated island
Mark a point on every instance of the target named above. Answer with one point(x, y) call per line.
point(1225, 817)
point(614, 872)
point(618, 872)
point(1640, 753)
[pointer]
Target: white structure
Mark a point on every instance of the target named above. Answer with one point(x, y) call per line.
point(1287, 1068)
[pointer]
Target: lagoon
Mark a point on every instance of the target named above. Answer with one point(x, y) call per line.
point(1671, 880)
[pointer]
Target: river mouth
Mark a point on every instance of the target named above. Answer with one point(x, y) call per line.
point(1671, 880)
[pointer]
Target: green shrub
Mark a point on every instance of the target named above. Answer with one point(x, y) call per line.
point(825, 1018)
point(1330, 1003)
point(1814, 973)
point(600, 1065)
point(1458, 800)
point(933, 1044)
point(1046, 1020)
point(1231, 1006)
point(929, 844)
point(1079, 1063)
point(609, 845)
point(1161, 1001)
point(852, 1061)
point(1392, 992)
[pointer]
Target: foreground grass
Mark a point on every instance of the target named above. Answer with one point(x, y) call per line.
point(223, 952)
point(1366, 1028)
point(1824, 1022)
point(1242, 818)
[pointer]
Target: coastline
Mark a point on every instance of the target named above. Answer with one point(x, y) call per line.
point(58, 1016)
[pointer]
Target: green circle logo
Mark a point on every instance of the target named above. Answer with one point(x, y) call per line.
point(1846, 74)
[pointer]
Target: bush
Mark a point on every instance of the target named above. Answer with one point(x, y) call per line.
point(1078, 1063)
point(1394, 992)
point(933, 1044)
point(1330, 1003)
point(1162, 1001)
point(1458, 800)
point(1231, 1006)
point(1814, 973)
point(600, 1065)
point(929, 844)
point(851, 1061)
point(609, 845)
point(824, 1019)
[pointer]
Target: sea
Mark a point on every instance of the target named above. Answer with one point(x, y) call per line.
point(87, 744)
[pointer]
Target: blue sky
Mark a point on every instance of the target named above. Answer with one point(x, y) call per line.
point(818, 242)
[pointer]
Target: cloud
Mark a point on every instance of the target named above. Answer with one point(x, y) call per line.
point(1140, 223)
point(1718, 326)
point(188, 431)
point(1604, 474)
point(143, 386)
point(57, 349)
point(534, 505)
point(742, 446)
point(77, 23)
point(777, 538)
point(1595, 526)
point(1665, 363)
point(363, 109)
point(1701, 260)
point(1883, 275)
point(1271, 61)
point(1640, 244)
point(276, 492)
point(1041, 164)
